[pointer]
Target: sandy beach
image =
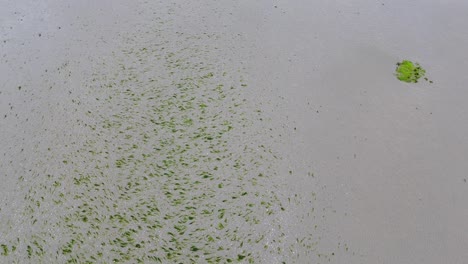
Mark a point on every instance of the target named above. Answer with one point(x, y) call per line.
point(233, 132)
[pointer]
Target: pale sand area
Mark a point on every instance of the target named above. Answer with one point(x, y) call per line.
point(356, 166)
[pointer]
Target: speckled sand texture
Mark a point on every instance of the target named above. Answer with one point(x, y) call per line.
point(232, 132)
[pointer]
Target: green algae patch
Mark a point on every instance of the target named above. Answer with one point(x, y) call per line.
point(409, 72)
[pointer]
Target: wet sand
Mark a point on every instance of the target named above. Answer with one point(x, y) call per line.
point(262, 132)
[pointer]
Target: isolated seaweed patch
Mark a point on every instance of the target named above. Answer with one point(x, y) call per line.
point(409, 72)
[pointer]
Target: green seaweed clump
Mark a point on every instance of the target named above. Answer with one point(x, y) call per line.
point(409, 72)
